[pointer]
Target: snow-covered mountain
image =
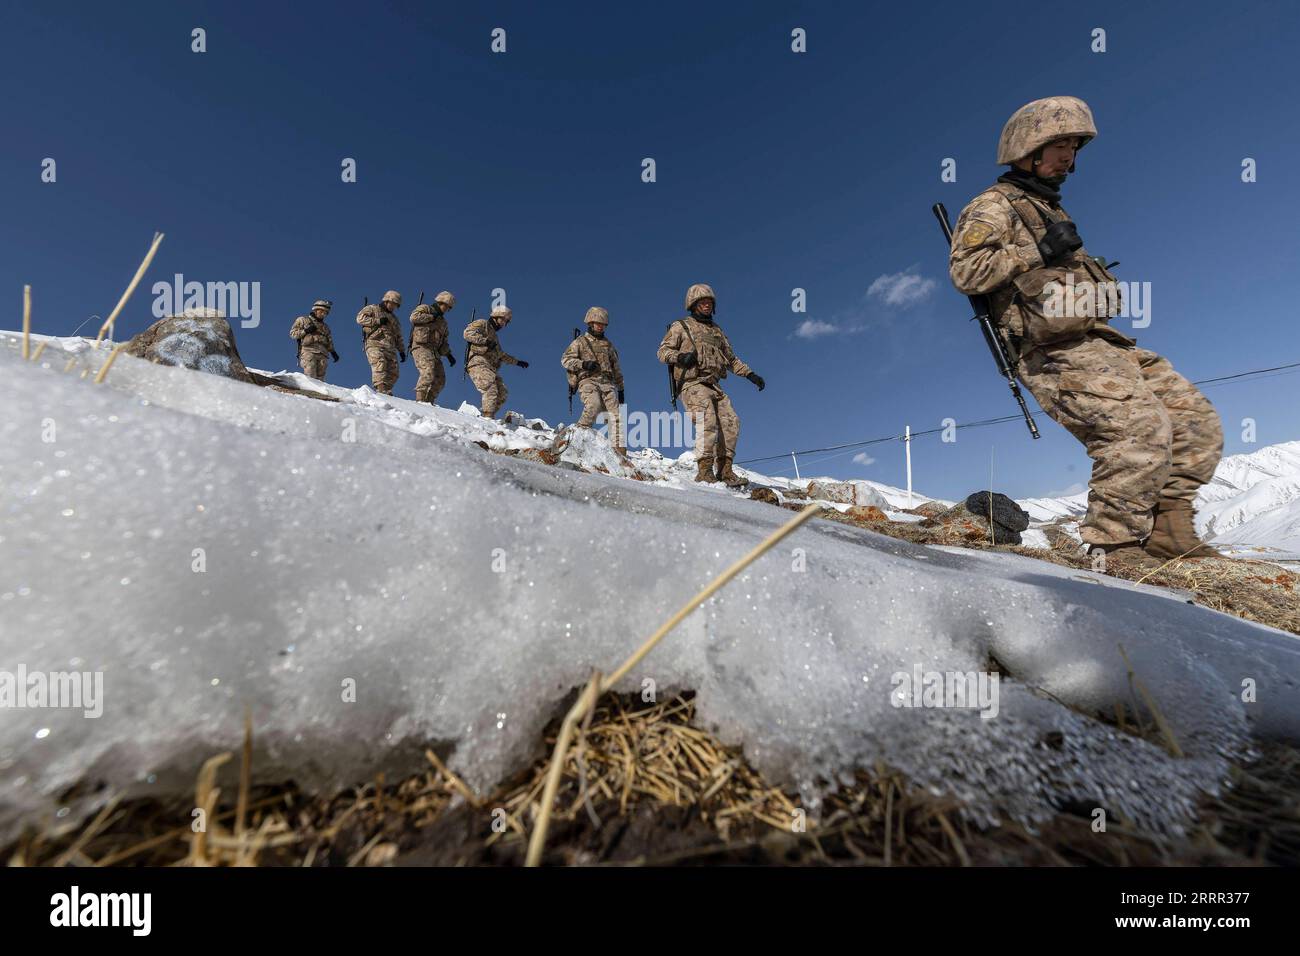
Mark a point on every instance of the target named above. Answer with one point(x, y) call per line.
point(1253, 503)
point(368, 581)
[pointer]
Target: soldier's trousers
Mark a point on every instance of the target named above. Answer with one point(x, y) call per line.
point(1150, 433)
point(432, 375)
point(716, 424)
point(600, 397)
point(490, 386)
point(314, 363)
point(383, 367)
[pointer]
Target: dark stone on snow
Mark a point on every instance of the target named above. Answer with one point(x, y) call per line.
point(1006, 513)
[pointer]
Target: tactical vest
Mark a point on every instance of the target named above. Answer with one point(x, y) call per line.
point(606, 369)
point(1051, 304)
point(712, 349)
point(490, 351)
point(387, 329)
point(432, 334)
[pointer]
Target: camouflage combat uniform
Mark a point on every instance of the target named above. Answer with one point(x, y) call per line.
point(716, 424)
point(315, 344)
point(429, 345)
point(598, 389)
point(382, 334)
point(1151, 434)
point(485, 356)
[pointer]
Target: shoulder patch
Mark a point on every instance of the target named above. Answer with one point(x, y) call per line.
point(976, 233)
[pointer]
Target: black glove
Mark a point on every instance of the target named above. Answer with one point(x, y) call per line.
point(334, 355)
point(403, 355)
point(590, 366)
point(451, 360)
point(522, 364)
point(757, 380)
point(620, 396)
point(1061, 239)
point(687, 359)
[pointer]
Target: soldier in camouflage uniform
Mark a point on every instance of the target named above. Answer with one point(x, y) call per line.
point(484, 355)
point(701, 356)
point(381, 332)
point(315, 341)
point(428, 345)
point(592, 363)
point(1153, 437)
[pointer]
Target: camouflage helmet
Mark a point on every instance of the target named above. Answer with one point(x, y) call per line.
point(1045, 121)
point(597, 314)
point(502, 312)
point(697, 292)
point(446, 300)
point(325, 304)
point(393, 297)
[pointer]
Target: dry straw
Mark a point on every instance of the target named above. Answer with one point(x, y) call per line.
point(27, 322)
point(598, 685)
point(135, 281)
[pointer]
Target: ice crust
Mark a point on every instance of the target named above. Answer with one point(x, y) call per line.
point(373, 560)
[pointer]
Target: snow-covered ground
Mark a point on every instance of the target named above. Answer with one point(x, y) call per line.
point(367, 581)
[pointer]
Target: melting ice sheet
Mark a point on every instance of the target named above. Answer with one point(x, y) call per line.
point(370, 544)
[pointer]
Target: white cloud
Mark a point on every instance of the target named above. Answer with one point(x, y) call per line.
point(901, 289)
point(862, 458)
point(814, 328)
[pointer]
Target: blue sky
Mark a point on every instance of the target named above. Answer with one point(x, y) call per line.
point(775, 170)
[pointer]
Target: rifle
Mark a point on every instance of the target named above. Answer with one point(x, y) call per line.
point(365, 301)
point(673, 388)
point(464, 366)
point(980, 303)
point(576, 334)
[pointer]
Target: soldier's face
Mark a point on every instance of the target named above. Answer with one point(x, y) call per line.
point(319, 313)
point(1057, 159)
point(704, 306)
point(597, 329)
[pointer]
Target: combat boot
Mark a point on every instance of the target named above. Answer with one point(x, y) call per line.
point(1174, 533)
point(1121, 553)
point(704, 470)
point(729, 477)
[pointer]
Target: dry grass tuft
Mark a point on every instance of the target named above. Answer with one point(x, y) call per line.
point(644, 786)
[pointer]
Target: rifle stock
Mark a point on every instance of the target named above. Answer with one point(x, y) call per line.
point(998, 348)
point(576, 333)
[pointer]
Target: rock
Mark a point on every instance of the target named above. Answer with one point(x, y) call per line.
point(765, 494)
point(200, 339)
point(847, 493)
point(866, 513)
point(1006, 512)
